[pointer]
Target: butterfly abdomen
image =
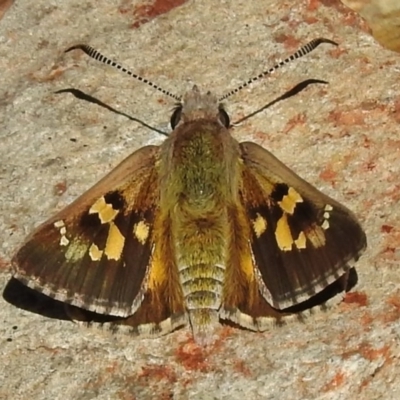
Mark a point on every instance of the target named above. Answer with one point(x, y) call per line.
point(200, 249)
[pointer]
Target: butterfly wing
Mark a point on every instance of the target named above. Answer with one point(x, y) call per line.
point(95, 254)
point(301, 240)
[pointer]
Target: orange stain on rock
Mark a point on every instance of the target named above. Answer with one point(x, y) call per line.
point(394, 312)
point(298, 119)
point(386, 228)
point(192, 357)
point(347, 117)
point(146, 12)
point(241, 367)
point(289, 41)
point(370, 353)
point(328, 174)
point(158, 372)
point(389, 245)
point(313, 5)
point(358, 298)
point(337, 381)
point(60, 188)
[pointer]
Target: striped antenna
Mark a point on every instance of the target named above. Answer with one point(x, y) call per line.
point(299, 53)
point(91, 52)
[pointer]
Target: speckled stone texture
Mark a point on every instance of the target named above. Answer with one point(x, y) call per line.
point(343, 137)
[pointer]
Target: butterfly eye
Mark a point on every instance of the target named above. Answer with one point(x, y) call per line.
point(176, 116)
point(223, 116)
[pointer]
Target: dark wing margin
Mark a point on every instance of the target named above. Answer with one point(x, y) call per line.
point(301, 240)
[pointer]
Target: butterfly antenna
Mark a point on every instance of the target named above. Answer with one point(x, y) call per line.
point(309, 47)
point(91, 52)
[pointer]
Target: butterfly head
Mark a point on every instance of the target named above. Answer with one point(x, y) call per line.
point(196, 106)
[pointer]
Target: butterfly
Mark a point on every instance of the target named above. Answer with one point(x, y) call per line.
point(198, 230)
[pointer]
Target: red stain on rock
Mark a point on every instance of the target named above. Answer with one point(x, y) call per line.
point(299, 119)
point(386, 228)
point(370, 353)
point(310, 19)
point(347, 117)
point(394, 313)
point(313, 5)
point(241, 367)
point(192, 357)
point(158, 372)
point(367, 319)
point(337, 4)
point(337, 381)
point(60, 188)
point(358, 298)
point(389, 245)
point(350, 18)
point(146, 12)
point(393, 192)
point(328, 174)
point(289, 41)
point(394, 301)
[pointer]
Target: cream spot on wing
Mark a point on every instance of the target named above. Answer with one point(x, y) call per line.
point(141, 231)
point(288, 203)
point(105, 210)
point(95, 253)
point(64, 241)
point(115, 243)
point(259, 225)
point(283, 235)
point(328, 209)
point(300, 242)
point(60, 225)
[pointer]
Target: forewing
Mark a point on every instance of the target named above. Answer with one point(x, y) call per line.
point(301, 239)
point(95, 254)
